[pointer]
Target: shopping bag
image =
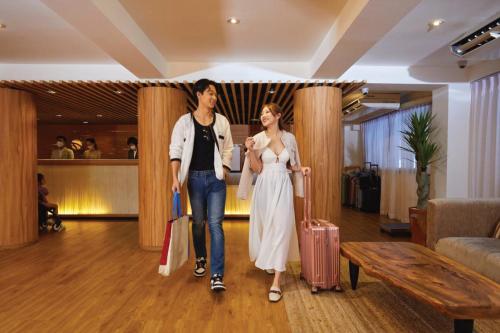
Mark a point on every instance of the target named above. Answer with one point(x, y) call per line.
point(175, 252)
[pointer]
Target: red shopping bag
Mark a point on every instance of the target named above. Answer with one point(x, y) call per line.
point(175, 252)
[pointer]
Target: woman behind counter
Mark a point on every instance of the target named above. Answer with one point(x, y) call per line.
point(92, 151)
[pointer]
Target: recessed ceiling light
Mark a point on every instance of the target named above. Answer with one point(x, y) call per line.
point(2, 26)
point(437, 22)
point(434, 24)
point(85, 122)
point(98, 115)
point(233, 20)
point(118, 92)
point(51, 92)
point(58, 115)
point(271, 91)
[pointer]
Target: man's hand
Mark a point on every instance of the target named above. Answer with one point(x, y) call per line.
point(226, 174)
point(176, 186)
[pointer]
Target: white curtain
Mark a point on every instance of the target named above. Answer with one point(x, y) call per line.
point(484, 148)
point(382, 140)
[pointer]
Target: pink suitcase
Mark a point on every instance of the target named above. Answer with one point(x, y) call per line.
point(319, 248)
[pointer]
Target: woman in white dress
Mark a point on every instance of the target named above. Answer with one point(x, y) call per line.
point(273, 155)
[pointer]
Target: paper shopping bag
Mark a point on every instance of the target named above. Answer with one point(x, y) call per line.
point(175, 252)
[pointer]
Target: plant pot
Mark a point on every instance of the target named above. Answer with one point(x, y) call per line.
point(418, 225)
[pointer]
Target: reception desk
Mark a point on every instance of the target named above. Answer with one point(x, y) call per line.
point(109, 188)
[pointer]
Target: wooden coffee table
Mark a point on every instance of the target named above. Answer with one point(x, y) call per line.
point(448, 286)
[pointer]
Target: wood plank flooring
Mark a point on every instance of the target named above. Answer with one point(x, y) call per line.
point(94, 278)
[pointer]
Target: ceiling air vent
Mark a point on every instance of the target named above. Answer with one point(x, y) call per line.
point(478, 38)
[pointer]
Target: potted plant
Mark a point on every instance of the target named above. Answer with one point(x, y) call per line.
point(417, 137)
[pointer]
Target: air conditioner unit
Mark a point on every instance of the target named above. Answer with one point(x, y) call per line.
point(375, 101)
point(480, 37)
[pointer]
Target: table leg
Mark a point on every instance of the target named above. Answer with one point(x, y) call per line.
point(353, 274)
point(463, 325)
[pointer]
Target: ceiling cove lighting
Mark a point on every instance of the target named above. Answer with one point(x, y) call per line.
point(476, 39)
point(233, 20)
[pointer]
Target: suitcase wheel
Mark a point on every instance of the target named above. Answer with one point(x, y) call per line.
point(314, 290)
point(338, 289)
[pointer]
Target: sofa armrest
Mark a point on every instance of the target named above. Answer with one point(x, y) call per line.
point(461, 218)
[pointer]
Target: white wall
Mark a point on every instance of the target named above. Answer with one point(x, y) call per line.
point(459, 104)
point(451, 107)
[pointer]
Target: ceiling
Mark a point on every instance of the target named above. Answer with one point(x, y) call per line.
point(37, 35)
point(410, 43)
point(275, 40)
point(75, 102)
point(196, 31)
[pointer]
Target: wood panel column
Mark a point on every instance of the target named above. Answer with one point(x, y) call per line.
point(18, 203)
point(159, 109)
point(318, 129)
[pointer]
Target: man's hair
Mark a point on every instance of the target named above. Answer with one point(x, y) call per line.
point(61, 138)
point(201, 85)
point(132, 140)
point(39, 176)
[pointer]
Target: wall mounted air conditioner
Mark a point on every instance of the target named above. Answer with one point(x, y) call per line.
point(375, 101)
point(480, 37)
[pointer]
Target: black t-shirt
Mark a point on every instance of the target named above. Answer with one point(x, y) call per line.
point(203, 149)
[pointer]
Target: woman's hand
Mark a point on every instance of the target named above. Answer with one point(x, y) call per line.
point(249, 143)
point(305, 170)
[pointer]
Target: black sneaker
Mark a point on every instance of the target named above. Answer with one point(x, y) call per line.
point(216, 283)
point(200, 267)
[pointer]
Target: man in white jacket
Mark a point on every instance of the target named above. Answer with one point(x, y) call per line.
point(200, 151)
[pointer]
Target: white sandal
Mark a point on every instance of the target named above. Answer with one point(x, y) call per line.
point(275, 295)
point(270, 271)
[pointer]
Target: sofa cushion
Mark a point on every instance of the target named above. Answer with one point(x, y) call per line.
point(481, 254)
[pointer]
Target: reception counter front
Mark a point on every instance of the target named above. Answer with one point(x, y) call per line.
point(109, 188)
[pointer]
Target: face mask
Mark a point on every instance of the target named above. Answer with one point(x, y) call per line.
point(59, 144)
point(133, 147)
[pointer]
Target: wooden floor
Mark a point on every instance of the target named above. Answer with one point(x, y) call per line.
point(94, 278)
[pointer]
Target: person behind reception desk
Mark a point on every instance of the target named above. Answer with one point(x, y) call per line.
point(62, 152)
point(45, 207)
point(133, 151)
point(92, 152)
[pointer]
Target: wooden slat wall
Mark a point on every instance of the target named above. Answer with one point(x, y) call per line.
point(112, 102)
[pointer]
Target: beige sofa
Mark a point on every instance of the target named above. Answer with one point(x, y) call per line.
point(461, 229)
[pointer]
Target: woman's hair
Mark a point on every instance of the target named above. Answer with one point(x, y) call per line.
point(275, 110)
point(92, 140)
point(201, 85)
point(40, 177)
point(132, 141)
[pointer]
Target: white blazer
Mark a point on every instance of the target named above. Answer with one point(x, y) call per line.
point(261, 142)
point(182, 142)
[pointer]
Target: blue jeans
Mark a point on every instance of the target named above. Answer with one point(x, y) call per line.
point(207, 196)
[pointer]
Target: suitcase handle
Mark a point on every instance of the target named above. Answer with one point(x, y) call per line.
point(307, 197)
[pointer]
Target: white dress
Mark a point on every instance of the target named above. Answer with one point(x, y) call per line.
point(273, 237)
